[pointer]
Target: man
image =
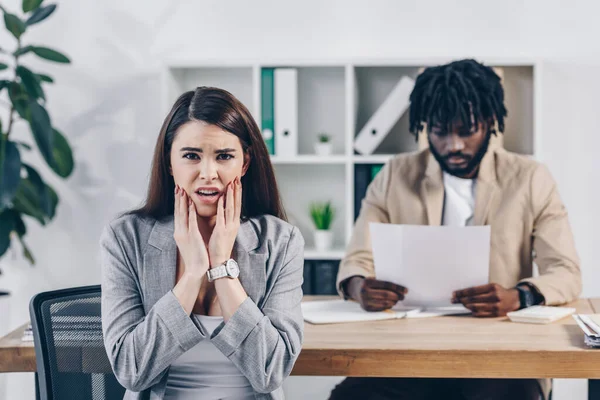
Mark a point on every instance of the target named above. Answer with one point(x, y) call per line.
point(463, 179)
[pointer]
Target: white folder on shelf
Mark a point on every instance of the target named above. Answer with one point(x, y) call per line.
point(383, 120)
point(286, 112)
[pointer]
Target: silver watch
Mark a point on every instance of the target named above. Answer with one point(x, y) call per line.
point(229, 269)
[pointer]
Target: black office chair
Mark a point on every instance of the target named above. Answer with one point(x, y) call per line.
point(69, 350)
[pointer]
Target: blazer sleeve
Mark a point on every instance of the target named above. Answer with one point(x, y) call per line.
point(140, 346)
point(264, 344)
point(358, 259)
point(559, 280)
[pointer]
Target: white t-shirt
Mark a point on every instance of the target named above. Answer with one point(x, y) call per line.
point(459, 200)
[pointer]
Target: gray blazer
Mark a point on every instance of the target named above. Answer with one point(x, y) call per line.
point(146, 329)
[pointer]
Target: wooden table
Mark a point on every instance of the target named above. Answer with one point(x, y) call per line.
point(460, 346)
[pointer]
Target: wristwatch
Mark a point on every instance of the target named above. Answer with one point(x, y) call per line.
point(526, 296)
point(229, 269)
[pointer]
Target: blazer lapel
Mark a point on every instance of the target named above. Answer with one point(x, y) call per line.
point(251, 258)
point(432, 192)
point(486, 195)
point(160, 261)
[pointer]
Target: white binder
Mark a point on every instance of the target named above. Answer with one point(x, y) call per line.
point(286, 112)
point(379, 125)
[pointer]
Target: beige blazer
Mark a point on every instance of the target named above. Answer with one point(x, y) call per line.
point(515, 195)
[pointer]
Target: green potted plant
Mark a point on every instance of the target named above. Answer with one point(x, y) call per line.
point(323, 145)
point(23, 192)
point(322, 215)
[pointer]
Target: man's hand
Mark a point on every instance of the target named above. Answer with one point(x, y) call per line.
point(491, 300)
point(374, 295)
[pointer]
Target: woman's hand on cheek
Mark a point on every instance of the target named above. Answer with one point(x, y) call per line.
point(187, 235)
point(229, 208)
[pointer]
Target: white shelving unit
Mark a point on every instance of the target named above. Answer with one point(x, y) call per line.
point(338, 97)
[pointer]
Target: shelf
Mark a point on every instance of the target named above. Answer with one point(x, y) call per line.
point(372, 159)
point(309, 159)
point(333, 254)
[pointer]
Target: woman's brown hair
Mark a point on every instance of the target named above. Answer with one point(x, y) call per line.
point(216, 107)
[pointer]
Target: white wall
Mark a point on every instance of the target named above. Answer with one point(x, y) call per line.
point(107, 102)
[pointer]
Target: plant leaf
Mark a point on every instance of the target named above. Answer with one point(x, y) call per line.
point(14, 25)
point(62, 160)
point(22, 144)
point(4, 83)
point(43, 195)
point(41, 129)
point(10, 170)
point(31, 83)
point(30, 5)
point(7, 225)
point(26, 252)
point(45, 78)
point(49, 54)
point(18, 97)
point(40, 14)
point(53, 201)
point(21, 230)
point(27, 202)
point(3, 66)
point(21, 51)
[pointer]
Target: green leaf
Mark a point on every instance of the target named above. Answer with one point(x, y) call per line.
point(7, 225)
point(30, 5)
point(27, 201)
point(22, 144)
point(45, 78)
point(21, 51)
point(41, 129)
point(49, 54)
point(3, 66)
point(40, 14)
point(4, 83)
point(53, 201)
point(26, 252)
point(62, 162)
point(14, 25)
point(43, 195)
point(10, 172)
point(19, 99)
point(31, 83)
point(21, 230)
point(20, 227)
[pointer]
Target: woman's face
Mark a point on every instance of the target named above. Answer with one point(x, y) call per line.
point(204, 159)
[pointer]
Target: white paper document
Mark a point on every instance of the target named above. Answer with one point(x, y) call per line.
point(340, 311)
point(431, 261)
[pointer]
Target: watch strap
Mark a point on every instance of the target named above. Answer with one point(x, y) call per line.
point(217, 272)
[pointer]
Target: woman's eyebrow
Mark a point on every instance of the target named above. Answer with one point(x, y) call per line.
point(199, 150)
point(220, 151)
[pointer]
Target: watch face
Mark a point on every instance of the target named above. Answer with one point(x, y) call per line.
point(233, 270)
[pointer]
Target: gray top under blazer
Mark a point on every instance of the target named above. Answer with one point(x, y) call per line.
point(146, 329)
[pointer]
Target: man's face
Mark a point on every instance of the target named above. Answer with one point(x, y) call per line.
point(459, 151)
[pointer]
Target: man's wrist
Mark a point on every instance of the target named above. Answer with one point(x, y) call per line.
point(526, 295)
point(352, 287)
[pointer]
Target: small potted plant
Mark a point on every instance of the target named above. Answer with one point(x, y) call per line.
point(322, 215)
point(323, 145)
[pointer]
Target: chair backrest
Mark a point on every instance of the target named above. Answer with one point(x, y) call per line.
point(69, 350)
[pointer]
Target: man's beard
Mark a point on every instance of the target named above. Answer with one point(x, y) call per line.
point(472, 161)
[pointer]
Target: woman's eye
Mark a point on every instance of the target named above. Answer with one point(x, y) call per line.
point(224, 156)
point(191, 156)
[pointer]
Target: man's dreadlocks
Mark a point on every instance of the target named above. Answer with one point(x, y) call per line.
point(464, 90)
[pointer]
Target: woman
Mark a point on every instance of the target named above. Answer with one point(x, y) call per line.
point(201, 287)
